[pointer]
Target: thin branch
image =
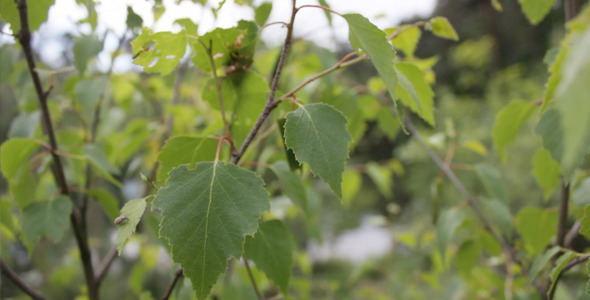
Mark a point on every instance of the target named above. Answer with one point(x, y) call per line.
point(177, 276)
point(218, 85)
point(563, 212)
point(273, 23)
point(24, 37)
point(270, 103)
point(19, 283)
point(571, 234)
point(252, 279)
point(104, 267)
point(320, 6)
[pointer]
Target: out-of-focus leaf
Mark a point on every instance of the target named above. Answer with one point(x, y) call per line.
point(536, 227)
point(95, 153)
point(536, 10)
point(541, 261)
point(441, 27)
point(88, 93)
point(546, 170)
point(207, 212)
point(491, 179)
point(497, 5)
point(107, 201)
point(37, 13)
point(581, 194)
point(8, 57)
point(500, 215)
point(560, 263)
point(158, 52)
point(130, 216)
point(351, 184)
point(407, 40)
point(318, 136)
point(85, 48)
point(381, 176)
point(133, 20)
point(508, 123)
point(466, 257)
point(292, 184)
point(448, 221)
point(476, 147)
point(549, 128)
point(14, 153)
point(25, 125)
point(46, 218)
point(271, 249)
point(415, 92)
point(262, 12)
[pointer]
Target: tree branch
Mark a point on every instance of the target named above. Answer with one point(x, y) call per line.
point(104, 267)
point(270, 103)
point(19, 283)
point(177, 276)
point(563, 212)
point(258, 294)
point(24, 38)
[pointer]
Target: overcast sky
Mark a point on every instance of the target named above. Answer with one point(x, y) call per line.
point(311, 23)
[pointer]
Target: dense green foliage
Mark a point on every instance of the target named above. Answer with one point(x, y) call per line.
point(225, 161)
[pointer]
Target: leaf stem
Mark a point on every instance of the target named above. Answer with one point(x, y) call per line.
point(270, 103)
point(8, 272)
point(177, 275)
point(320, 6)
point(258, 294)
point(563, 213)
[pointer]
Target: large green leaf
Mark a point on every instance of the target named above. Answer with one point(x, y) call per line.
point(158, 52)
point(37, 13)
point(546, 170)
point(536, 227)
point(46, 218)
point(536, 10)
point(292, 184)
point(85, 48)
point(318, 136)
point(14, 153)
point(207, 212)
point(508, 123)
point(573, 104)
point(184, 150)
point(271, 249)
point(365, 36)
point(130, 216)
point(415, 92)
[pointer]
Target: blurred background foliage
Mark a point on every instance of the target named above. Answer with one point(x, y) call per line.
point(379, 243)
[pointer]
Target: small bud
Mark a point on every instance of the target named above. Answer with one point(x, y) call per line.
point(144, 178)
point(120, 220)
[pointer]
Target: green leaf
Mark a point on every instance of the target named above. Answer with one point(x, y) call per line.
point(14, 153)
point(573, 104)
point(37, 13)
point(585, 226)
point(130, 216)
point(448, 221)
point(581, 195)
point(8, 58)
point(466, 257)
point(133, 20)
point(318, 136)
point(271, 249)
point(184, 150)
point(555, 77)
point(500, 214)
point(407, 40)
point(366, 36)
point(109, 203)
point(588, 282)
point(508, 123)
point(560, 263)
point(207, 212)
point(546, 170)
point(262, 12)
point(88, 93)
point(536, 227)
point(23, 186)
point(158, 52)
point(328, 14)
point(416, 93)
point(497, 5)
point(46, 218)
point(25, 125)
point(491, 179)
point(381, 176)
point(541, 261)
point(292, 185)
point(536, 10)
point(293, 163)
point(85, 48)
point(549, 128)
point(351, 184)
point(441, 27)
point(95, 154)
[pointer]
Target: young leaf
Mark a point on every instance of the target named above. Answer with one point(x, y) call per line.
point(536, 227)
point(366, 36)
point(573, 104)
point(448, 222)
point(441, 27)
point(536, 10)
point(406, 40)
point(508, 123)
point(158, 52)
point(497, 5)
point(292, 185)
point(131, 214)
point(318, 136)
point(546, 170)
point(14, 153)
point(416, 93)
point(559, 265)
point(207, 212)
point(46, 218)
point(85, 48)
point(262, 12)
point(184, 150)
point(271, 249)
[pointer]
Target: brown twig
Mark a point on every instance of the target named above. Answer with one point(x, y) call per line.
point(24, 37)
point(270, 103)
point(177, 275)
point(8, 272)
point(571, 234)
point(104, 267)
point(563, 213)
point(251, 276)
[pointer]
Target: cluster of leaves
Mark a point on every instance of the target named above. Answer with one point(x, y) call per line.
point(212, 203)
